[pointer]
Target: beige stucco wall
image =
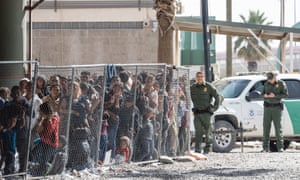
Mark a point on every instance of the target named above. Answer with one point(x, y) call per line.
point(90, 46)
point(97, 46)
point(92, 15)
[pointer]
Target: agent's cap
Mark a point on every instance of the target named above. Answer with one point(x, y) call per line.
point(270, 75)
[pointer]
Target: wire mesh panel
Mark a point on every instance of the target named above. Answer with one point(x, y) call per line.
point(75, 94)
point(87, 142)
point(132, 107)
point(18, 106)
point(49, 136)
point(88, 115)
point(175, 136)
point(181, 99)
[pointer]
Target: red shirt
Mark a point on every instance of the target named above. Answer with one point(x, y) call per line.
point(49, 135)
point(124, 152)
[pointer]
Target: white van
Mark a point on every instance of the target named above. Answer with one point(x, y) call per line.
point(243, 105)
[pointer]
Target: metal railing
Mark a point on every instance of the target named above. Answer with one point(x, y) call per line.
point(107, 114)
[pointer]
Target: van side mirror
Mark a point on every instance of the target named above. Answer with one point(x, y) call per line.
point(253, 95)
point(248, 98)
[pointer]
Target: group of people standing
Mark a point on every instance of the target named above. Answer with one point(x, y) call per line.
point(135, 116)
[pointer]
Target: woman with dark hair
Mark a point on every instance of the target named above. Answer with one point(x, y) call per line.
point(41, 86)
point(113, 103)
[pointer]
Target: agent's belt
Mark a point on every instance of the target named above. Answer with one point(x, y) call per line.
point(266, 104)
point(199, 111)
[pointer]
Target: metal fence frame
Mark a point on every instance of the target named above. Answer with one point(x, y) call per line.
point(157, 70)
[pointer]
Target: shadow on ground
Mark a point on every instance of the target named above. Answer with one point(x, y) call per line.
point(230, 172)
point(216, 172)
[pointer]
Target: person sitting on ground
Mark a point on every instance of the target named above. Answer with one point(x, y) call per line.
point(124, 148)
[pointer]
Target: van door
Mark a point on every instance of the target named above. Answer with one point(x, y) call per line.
point(253, 110)
point(291, 115)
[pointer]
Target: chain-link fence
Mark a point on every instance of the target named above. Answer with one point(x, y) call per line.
point(178, 133)
point(17, 114)
point(90, 115)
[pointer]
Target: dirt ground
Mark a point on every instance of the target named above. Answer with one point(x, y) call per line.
point(247, 165)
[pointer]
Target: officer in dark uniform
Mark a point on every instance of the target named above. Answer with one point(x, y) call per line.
point(274, 91)
point(202, 94)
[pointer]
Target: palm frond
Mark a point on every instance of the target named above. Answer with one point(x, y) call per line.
point(242, 45)
point(238, 43)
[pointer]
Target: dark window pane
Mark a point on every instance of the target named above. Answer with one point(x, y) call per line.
point(293, 87)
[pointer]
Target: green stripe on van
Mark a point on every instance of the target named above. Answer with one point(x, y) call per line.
point(293, 108)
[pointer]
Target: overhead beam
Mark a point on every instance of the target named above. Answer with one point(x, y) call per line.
point(217, 29)
point(285, 36)
point(237, 29)
point(260, 33)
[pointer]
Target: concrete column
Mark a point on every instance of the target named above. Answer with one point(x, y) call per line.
point(11, 41)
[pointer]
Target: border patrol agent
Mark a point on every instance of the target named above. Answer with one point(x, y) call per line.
point(202, 94)
point(274, 91)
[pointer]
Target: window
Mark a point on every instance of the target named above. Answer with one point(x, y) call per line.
point(256, 91)
point(231, 88)
point(293, 87)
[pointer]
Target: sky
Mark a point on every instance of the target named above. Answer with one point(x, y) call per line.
point(271, 8)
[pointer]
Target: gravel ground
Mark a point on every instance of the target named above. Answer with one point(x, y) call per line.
point(249, 165)
point(246, 166)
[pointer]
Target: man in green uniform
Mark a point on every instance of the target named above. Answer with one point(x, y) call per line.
point(273, 92)
point(202, 94)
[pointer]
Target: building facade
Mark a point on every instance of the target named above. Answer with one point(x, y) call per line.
point(94, 32)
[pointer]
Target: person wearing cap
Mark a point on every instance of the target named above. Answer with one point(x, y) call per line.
point(203, 93)
point(23, 85)
point(274, 91)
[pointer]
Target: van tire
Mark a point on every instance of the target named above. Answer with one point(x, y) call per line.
point(224, 142)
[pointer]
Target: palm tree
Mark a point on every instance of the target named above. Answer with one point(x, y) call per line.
point(165, 14)
point(248, 47)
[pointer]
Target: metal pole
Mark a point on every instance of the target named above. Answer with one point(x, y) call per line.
point(28, 140)
point(99, 124)
point(29, 32)
point(282, 42)
point(228, 40)
point(29, 74)
point(206, 40)
point(242, 136)
point(291, 53)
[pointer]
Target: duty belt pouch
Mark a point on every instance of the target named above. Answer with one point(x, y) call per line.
point(195, 111)
point(281, 106)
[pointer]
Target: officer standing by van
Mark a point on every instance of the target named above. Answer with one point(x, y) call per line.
point(202, 94)
point(274, 91)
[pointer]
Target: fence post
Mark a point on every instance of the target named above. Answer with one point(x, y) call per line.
point(242, 136)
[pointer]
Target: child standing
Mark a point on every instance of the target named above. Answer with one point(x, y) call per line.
point(145, 137)
point(103, 138)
